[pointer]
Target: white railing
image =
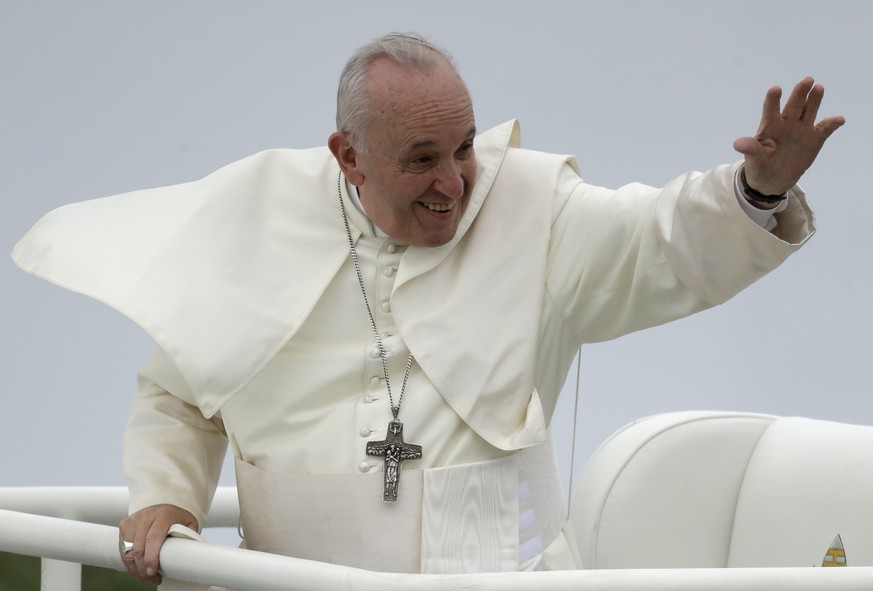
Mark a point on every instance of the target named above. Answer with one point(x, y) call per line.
point(79, 542)
point(105, 506)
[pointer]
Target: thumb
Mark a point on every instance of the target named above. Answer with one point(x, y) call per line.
point(748, 146)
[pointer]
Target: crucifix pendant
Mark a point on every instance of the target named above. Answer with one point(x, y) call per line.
point(395, 451)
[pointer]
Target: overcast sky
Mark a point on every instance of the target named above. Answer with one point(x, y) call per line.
point(101, 97)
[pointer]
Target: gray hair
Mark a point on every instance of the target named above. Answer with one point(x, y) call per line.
point(353, 110)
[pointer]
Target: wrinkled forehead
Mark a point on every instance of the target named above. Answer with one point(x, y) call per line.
point(392, 85)
point(412, 105)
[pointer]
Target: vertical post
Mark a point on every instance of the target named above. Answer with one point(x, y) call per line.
point(60, 575)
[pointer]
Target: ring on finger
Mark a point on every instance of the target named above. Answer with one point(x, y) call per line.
point(125, 547)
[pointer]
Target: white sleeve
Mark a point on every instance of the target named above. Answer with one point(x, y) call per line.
point(172, 453)
point(631, 258)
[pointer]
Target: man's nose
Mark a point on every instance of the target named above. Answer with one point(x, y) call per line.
point(449, 181)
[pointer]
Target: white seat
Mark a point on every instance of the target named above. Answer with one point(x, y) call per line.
point(726, 489)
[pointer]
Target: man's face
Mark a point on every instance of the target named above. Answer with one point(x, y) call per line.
point(415, 180)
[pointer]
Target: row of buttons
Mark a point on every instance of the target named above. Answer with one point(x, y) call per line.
point(376, 380)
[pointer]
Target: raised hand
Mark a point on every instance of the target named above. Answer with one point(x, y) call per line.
point(788, 140)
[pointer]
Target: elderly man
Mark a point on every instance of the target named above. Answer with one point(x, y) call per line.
point(380, 328)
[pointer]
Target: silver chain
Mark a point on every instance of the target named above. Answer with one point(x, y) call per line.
point(395, 410)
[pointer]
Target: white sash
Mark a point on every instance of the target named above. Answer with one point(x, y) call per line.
point(490, 516)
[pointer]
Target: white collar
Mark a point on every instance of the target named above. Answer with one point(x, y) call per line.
point(356, 201)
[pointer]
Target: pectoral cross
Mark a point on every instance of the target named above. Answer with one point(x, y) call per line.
point(395, 451)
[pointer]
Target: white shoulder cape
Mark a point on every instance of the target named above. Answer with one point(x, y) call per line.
point(222, 271)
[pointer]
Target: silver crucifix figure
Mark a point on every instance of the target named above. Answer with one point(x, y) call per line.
point(395, 451)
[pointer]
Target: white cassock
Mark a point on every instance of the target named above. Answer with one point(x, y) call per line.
point(244, 280)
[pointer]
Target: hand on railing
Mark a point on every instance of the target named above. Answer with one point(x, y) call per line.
point(235, 568)
point(147, 529)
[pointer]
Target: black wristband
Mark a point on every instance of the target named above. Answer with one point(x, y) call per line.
point(757, 196)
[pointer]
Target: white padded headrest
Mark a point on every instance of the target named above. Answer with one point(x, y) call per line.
point(807, 481)
point(714, 489)
point(662, 491)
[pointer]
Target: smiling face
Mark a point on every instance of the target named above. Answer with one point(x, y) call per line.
point(417, 174)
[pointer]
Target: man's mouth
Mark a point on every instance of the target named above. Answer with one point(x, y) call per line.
point(439, 207)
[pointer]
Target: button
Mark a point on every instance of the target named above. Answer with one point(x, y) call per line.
point(392, 248)
point(364, 467)
point(374, 381)
point(374, 352)
point(386, 307)
point(389, 271)
point(365, 432)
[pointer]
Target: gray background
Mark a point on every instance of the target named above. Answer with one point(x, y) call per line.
point(102, 97)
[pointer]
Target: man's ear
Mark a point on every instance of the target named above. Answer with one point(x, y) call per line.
point(346, 156)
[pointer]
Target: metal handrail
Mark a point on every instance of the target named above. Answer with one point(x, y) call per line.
point(246, 570)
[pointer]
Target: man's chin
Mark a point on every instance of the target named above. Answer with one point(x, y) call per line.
point(432, 239)
point(433, 233)
point(429, 242)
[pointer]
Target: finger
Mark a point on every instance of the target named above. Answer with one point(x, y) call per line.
point(127, 559)
point(748, 146)
point(829, 125)
point(137, 552)
point(796, 101)
point(152, 549)
point(146, 564)
point(813, 102)
point(771, 110)
point(127, 532)
point(130, 564)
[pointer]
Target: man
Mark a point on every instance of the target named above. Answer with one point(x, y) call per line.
point(414, 275)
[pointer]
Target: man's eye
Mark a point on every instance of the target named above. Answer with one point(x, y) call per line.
point(421, 160)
